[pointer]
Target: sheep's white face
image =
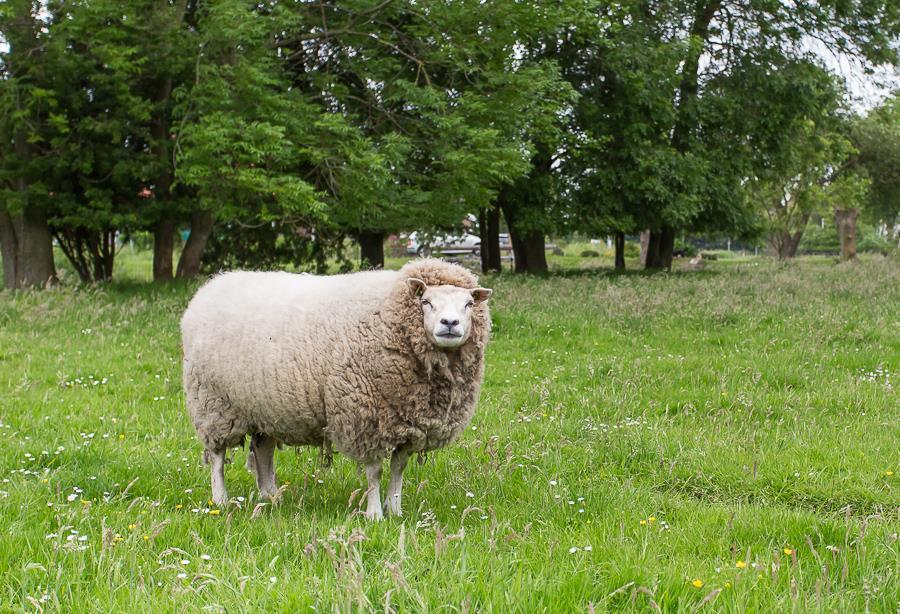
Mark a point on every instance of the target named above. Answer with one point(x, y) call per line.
point(447, 311)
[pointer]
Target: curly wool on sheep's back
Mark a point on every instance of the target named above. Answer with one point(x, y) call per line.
point(342, 361)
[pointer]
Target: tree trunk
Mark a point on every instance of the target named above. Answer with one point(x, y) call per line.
point(528, 245)
point(35, 258)
point(192, 255)
point(845, 219)
point(660, 245)
point(92, 253)
point(620, 251)
point(27, 250)
point(489, 227)
point(107, 254)
point(786, 243)
point(523, 204)
point(163, 246)
point(27, 244)
point(688, 89)
point(371, 249)
point(8, 250)
point(645, 246)
point(651, 253)
point(529, 252)
point(164, 229)
point(666, 247)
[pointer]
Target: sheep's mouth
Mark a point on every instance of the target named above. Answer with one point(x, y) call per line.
point(449, 335)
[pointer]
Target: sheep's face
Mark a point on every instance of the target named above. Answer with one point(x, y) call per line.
point(447, 311)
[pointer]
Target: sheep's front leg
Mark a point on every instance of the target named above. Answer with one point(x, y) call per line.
point(216, 460)
point(392, 499)
point(373, 476)
point(264, 464)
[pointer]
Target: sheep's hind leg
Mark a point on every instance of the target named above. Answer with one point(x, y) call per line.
point(373, 476)
point(216, 459)
point(263, 448)
point(392, 498)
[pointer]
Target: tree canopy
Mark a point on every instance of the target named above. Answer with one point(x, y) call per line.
point(277, 130)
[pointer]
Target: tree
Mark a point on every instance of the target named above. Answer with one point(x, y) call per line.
point(796, 153)
point(25, 237)
point(375, 117)
point(94, 147)
point(489, 231)
point(876, 138)
point(661, 140)
point(245, 137)
point(169, 36)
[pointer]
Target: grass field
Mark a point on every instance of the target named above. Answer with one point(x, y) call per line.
point(725, 439)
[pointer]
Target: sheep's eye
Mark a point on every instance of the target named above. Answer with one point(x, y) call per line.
point(425, 301)
point(470, 304)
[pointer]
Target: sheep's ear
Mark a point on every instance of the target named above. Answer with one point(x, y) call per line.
point(481, 294)
point(416, 286)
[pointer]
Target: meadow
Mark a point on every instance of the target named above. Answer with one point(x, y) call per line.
point(725, 440)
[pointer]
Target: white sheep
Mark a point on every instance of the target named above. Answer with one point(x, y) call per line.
point(381, 364)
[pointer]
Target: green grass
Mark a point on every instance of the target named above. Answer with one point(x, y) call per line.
point(679, 425)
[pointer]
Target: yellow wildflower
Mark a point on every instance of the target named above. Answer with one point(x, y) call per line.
point(888, 473)
point(697, 583)
point(121, 437)
point(178, 506)
point(214, 512)
point(643, 522)
point(146, 538)
point(728, 585)
point(740, 564)
point(132, 526)
point(652, 519)
point(788, 551)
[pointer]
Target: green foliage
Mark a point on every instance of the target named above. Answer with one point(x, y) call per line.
point(366, 116)
point(661, 139)
point(75, 103)
point(688, 248)
point(274, 246)
point(821, 236)
point(801, 159)
point(876, 138)
point(350, 122)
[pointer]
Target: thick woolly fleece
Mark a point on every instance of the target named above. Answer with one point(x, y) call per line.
point(342, 359)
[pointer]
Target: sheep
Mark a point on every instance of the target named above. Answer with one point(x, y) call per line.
point(376, 365)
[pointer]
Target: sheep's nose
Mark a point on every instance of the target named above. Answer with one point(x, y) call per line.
point(447, 322)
